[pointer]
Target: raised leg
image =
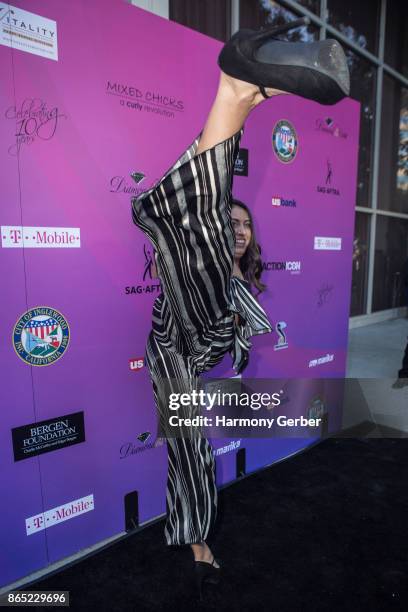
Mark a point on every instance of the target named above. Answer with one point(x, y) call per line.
point(232, 104)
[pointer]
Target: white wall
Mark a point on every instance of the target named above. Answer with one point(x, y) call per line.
point(159, 7)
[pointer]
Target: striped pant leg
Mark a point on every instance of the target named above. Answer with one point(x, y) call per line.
point(191, 492)
point(187, 216)
point(191, 496)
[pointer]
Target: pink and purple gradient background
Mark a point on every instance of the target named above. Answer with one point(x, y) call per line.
point(66, 182)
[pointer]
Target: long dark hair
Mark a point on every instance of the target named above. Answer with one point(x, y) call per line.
point(251, 263)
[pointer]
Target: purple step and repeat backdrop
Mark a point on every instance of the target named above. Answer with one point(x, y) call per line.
point(87, 98)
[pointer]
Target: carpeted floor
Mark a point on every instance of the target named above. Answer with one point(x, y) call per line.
point(323, 530)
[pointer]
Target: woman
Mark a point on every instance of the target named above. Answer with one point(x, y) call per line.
point(206, 310)
point(247, 253)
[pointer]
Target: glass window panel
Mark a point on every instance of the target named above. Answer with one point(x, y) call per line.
point(362, 88)
point(212, 17)
point(357, 20)
point(391, 253)
point(312, 5)
point(358, 303)
point(255, 14)
point(396, 39)
point(393, 180)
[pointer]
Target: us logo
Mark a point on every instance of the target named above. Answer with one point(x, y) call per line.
point(41, 336)
point(284, 141)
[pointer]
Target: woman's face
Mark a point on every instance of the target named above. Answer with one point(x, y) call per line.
point(242, 228)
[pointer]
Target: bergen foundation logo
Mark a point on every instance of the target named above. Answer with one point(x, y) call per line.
point(32, 439)
point(17, 236)
point(278, 201)
point(284, 141)
point(41, 336)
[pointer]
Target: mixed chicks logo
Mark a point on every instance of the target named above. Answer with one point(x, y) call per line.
point(41, 336)
point(284, 141)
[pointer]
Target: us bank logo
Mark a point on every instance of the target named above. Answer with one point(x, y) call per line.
point(136, 364)
point(278, 201)
point(41, 336)
point(284, 141)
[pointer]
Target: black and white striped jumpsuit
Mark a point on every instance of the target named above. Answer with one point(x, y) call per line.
point(187, 218)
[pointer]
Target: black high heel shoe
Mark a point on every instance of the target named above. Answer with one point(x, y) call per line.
point(316, 70)
point(206, 572)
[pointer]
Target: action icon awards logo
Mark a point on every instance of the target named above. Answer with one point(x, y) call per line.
point(282, 341)
point(41, 336)
point(294, 267)
point(284, 141)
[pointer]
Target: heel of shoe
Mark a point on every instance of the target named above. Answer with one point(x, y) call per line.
point(269, 32)
point(205, 572)
point(199, 581)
